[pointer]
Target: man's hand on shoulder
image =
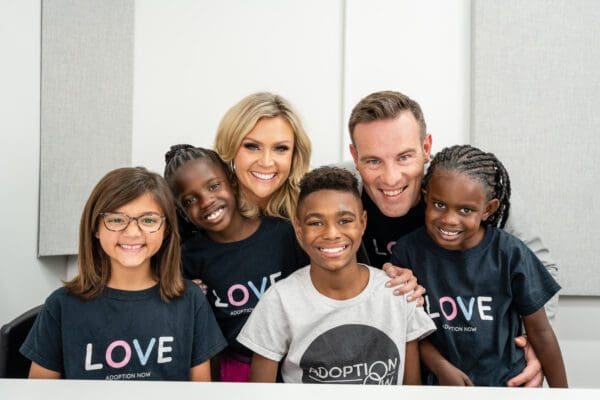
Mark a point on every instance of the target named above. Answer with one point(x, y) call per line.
point(404, 282)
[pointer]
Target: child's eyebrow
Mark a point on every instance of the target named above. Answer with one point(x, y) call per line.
point(312, 215)
point(338, 214)
point(344, 213)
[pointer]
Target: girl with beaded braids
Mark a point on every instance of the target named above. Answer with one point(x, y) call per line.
point(477, 164)
point(481, 281)
point(236, 257)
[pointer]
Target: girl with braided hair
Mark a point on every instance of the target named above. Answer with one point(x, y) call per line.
point(481, 281)
point(236, 257)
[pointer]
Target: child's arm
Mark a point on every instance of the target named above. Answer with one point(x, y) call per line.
point(543, 340)
point(200, 372)
point(412, 364)
point(38, 372)
point(263, 369)
point(446, 373)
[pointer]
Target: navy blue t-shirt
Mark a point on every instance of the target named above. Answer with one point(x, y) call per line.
point(382, 232)
point(124, 335)
point(238, 273)
point(476, 297)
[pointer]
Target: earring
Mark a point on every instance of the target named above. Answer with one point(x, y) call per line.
point(232, 165)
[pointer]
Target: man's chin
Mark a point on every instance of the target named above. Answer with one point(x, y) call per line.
point(393, 211)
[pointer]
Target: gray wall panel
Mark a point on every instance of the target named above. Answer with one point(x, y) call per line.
point(536, 90)
point(86, 109)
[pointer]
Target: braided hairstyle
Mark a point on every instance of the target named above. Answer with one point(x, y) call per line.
point(481, 165)
point(175, 158)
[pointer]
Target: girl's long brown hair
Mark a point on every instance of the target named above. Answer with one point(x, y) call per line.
point(114, 190)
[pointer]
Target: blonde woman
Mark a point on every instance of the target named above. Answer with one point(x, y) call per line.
point(262, 140)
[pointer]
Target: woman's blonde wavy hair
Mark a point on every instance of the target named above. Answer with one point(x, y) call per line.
point(238, 121)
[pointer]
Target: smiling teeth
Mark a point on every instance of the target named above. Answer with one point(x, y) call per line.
point(448, 233)
point(391, 193)
point(131, 246)
point(264, 177)
point(214, 215)
point(332, 250)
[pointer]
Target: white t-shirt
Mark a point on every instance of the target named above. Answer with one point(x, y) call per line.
point(359, 340)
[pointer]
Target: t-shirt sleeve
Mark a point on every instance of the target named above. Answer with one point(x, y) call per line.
point(267, 330)
point(418, 323)
point(208, 339)
point(44, 344)
point(399, 256)
point(531, 283)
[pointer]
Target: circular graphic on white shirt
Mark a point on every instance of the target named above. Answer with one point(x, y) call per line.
point(356, 354)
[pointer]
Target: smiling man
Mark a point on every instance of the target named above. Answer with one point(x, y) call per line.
point(390, 148)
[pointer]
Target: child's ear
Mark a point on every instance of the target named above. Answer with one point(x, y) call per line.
point(491, 208)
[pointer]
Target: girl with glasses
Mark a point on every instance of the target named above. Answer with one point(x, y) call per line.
point(128, 314)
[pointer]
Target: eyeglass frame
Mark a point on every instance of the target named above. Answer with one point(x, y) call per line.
point(162, 221)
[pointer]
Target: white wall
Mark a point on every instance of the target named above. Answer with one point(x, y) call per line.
point(421, 48)
point(577, 327)
point(182, 91)
point(195, 59)
point(25, 280)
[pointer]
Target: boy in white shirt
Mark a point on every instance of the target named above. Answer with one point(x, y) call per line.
point(333, 321)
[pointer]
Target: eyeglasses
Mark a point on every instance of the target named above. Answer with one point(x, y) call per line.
point(117, 222)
